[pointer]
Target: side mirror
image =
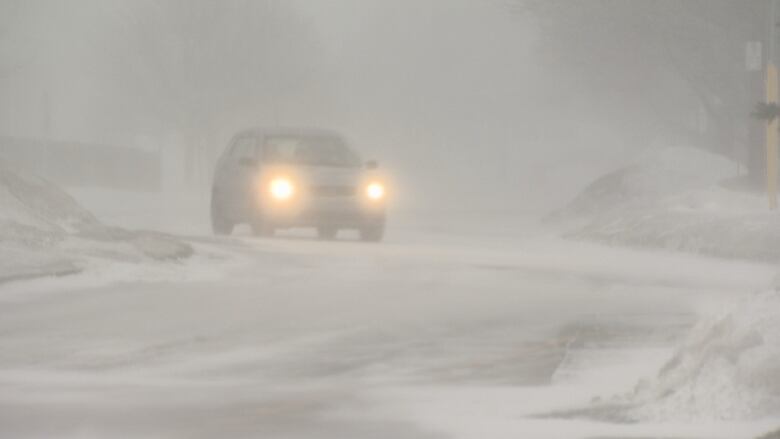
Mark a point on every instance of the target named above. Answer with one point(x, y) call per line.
point(372, 164)
point(248, 162)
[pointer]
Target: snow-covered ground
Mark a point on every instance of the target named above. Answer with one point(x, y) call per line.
point(45, 232)
point(673, 199)
point(460, 325)
point(728, 367)
point(446, 330)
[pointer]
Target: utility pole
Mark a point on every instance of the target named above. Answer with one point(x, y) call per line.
point(771, 98)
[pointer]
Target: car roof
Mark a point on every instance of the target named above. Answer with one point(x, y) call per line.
point(290, 131)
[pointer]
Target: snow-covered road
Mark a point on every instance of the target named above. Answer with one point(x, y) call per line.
point(440, 332)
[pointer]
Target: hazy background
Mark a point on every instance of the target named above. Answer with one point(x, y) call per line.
point(474, 318)
point(489, 104)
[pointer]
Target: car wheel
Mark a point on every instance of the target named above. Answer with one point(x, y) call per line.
point(220, 225)
point(372, 233)
point(327, 232)
point(262, 228)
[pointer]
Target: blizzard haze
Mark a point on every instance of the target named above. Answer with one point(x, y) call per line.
point(375, 219)
point(452, 86)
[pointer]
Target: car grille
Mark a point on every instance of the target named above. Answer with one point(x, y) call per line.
point(333, 191)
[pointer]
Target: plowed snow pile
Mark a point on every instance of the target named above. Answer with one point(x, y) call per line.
point(43, 231)
point(727, 369)
point(672, 199)
point(655, 175)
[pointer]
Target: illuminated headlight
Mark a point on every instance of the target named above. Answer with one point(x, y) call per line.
point(375, 191)
point(281, 189)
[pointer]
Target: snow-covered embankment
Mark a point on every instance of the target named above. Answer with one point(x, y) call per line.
point(44, 231)
point(673, 199)
point(728, 366)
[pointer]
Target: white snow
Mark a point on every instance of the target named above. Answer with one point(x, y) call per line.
point(484, 326)
point(45, 232)
point(725, 369)
point(673, 200)
point(728, 368)
point(33, 205)
point(455, 334)
point(660, 172)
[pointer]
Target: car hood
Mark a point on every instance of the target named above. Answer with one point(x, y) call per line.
point(331, 176)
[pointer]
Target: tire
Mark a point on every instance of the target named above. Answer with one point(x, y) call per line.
point(372, 233)
point(261, 228)
point(220, 224)
point(327, 233)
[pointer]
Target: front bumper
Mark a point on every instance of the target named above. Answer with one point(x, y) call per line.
point(338, 212)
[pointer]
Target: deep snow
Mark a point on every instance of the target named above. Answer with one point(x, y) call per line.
point(447, 332)
point(673, 199)
point(479, 325)
point(728, 367)
point(45, 232)
point(725, 368)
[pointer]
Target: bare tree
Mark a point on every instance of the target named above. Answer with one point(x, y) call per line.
point(652, 65)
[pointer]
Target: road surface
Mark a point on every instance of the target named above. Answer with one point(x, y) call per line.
point(443, 331)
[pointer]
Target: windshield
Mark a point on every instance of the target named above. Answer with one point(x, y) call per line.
point(314, 151)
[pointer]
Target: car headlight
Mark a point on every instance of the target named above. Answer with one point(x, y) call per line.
point(281, 188)
point(375, 191)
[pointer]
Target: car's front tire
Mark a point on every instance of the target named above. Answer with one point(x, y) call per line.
point(220, 224)
point(261, 227)
point(327, 232)
point(372, 232)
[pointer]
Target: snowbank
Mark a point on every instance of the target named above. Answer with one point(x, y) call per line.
point(44, 231)
point(728, 368)
point(673, 200)
point(34, 212)
point(655, 175)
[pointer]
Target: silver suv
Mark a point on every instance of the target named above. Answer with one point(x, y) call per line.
point(289, 178)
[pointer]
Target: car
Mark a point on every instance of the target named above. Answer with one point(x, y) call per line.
point(281, 178)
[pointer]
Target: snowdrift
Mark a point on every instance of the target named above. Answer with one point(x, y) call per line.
point(672, 199)
point(34, 212)
point(655, 175)
point(43, 231)
point(728, 368)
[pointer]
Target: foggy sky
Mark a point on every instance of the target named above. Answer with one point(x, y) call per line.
point(449, 95)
